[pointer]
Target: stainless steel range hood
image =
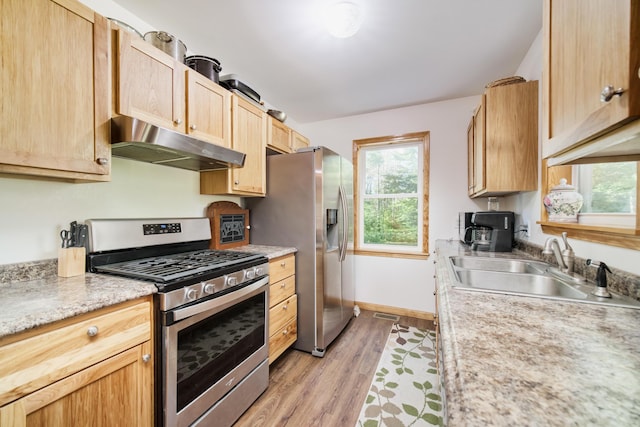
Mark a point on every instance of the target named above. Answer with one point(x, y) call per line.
point(135, 139)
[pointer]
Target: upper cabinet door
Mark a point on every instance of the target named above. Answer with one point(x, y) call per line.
point(278, 136)
point(479, 148)
point(592, 61)
point(150, 84)
point(298, 141)
point(249, 137)
point(54, 90)
point(208, 110)
point(470, 165)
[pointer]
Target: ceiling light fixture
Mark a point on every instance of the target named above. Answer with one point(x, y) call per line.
point(343, 19)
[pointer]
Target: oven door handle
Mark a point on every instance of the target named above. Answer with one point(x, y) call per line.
point(221, 302)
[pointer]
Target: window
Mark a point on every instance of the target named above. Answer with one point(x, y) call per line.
point(609, 191)
point(391, 176)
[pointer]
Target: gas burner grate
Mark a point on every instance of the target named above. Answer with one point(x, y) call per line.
point(171, 267)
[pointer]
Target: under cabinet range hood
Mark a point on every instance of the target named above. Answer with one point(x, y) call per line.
point(138, 140)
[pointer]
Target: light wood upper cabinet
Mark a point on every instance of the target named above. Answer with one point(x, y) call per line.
point(71, 373)
point(298, 141)
point(479, 147)
point(470, 170)
point(283, 139)
point(279, 136)
point(249, 136)
point(505, 141)
point(208, 110)
point(589, 46)
point(54, 90)
point(154, 87)
point(150, 84)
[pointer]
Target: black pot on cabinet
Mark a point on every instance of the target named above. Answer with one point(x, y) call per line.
point(208, 67)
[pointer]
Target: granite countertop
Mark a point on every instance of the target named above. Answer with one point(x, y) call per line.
point(33, 295)
point(36, 302)
point(269, 251)
point(513, 360)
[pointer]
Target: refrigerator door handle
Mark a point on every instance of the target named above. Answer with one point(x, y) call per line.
point(345, 224)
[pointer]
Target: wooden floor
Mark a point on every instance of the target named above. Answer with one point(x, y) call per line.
point(307, 391)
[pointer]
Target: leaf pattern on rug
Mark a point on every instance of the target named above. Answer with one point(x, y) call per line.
point(405, 390)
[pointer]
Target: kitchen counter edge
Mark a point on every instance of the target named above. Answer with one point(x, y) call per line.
point(33, 295)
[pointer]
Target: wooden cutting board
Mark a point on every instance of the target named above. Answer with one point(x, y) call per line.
point(229, 225)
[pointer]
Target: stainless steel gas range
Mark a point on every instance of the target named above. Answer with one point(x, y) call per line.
point(211, 314)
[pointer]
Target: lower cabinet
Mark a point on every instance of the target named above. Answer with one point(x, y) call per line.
point(96, 369)
point(283, 305)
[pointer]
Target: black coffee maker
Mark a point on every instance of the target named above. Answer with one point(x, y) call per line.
point(488, 230)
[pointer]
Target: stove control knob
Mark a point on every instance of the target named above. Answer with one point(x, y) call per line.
point(208, 288)
point(232, 281)
point(251, 274)
point(191, 294)
point(259, 271)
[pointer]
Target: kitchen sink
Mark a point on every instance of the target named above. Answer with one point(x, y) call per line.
point(527, 278)
point(522, 284)
point(500, 264)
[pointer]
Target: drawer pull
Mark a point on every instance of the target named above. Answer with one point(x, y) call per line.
point(609, 92)
point(282, 285)
point(92, 331)
point(284, 307)
point(146, 358)
point(285, 332)
point(283, 264)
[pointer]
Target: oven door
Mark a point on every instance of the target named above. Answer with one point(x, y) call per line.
point(209, 348)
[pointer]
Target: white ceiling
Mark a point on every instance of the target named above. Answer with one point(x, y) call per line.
point(407, 52)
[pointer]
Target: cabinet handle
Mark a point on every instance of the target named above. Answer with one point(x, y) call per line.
point(177, 122)
point(102, 161)
point(236, 182)
point(92, 331)
point(146, 358)
point(284, 307)
point(285, 332)
point(283, 264)
point(193, 127)
point(609, 92)
point(283, 285)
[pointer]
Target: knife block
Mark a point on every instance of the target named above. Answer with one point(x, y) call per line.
point(71, 261)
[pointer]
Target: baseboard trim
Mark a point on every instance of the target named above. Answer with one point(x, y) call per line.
point(395, 310)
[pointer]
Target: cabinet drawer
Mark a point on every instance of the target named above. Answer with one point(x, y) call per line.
point(282, 267)
point(281, 314)
point(29, 364)
point(282, 339)
point(281, 290)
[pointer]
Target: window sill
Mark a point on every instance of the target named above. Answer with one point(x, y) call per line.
point(628, 238)
point(408, 255)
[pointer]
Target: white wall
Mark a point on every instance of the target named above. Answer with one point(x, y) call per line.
point(408, 283)
point(35, 210)
point(528, 205)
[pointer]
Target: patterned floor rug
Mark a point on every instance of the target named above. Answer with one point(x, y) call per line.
point(405, 390)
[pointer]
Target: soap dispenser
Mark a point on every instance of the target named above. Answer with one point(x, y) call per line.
point(601, 279)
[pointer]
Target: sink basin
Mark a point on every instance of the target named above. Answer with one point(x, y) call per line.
point(527, 278)
point(522, 284)
point(500, 264)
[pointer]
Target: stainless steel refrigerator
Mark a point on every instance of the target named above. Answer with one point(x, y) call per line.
point(309, 206)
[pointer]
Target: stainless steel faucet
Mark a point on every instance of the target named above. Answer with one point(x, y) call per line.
point(565, 257)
